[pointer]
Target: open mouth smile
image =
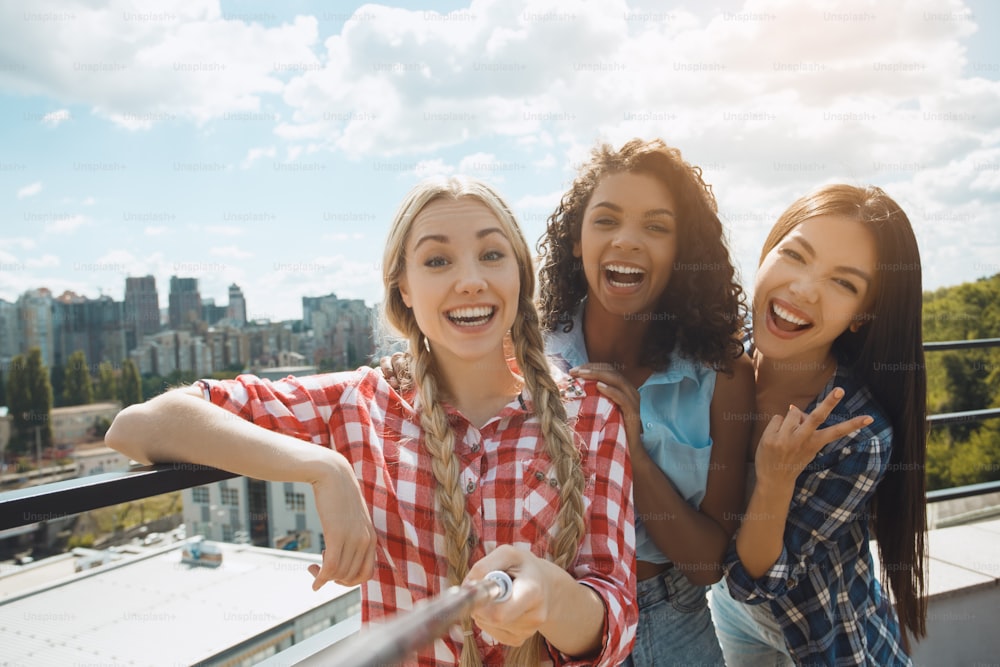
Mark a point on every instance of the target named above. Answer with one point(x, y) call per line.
point(786, 320)
point(623, 275)
point(471, 316)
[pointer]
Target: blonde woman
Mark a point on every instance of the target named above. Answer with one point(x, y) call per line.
point(472, 469)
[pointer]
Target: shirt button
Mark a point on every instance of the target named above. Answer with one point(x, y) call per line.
point(472, 539)
point(649, 424)
point(470, 487)
point(539, 476)
point(475, 447)
point(553, 482)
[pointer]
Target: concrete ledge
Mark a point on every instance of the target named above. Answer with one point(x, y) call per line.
point(964, 603)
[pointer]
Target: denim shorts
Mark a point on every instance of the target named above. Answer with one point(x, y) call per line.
point(749, 634)
point(675, 624)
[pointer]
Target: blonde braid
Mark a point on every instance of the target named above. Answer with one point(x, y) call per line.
point(561, 447)
point(439, 440)
point(438, 436)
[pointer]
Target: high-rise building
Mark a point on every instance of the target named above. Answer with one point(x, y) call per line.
point(237, 305)
point(342, 330)
point(10, 336)
point(211, 313)
point(266, 340)
point(185, 302)
point(168, 351)
point(142, 309)
point(35, 323)
point(96, 326)
point(229, 347)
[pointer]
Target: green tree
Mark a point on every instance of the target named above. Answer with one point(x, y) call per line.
point(965, 389)
point(17, 403)
point(78, 388)
point(30, 403)
point(130, 390)
point(57, 380)
point(961, 380)
point(107, 383)
point(100, 427)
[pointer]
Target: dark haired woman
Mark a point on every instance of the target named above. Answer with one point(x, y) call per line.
point(837, 344)
point(639, 293)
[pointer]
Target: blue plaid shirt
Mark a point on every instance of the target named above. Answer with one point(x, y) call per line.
point(823, 589)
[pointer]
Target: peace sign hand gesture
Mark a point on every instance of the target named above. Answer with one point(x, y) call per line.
point(790, 443)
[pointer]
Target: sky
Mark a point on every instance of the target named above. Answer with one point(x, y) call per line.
point(268, 144)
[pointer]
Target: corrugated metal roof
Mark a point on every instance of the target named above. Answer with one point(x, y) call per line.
point(156, 610)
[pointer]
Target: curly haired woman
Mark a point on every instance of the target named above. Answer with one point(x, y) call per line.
point(639, 293)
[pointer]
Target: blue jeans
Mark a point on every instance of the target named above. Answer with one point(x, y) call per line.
point(675, 625)
point(749, 634)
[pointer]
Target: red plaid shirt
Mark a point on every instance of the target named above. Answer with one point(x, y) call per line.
point(512, 495)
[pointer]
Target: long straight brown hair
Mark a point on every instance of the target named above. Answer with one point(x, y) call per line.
point(887, 356)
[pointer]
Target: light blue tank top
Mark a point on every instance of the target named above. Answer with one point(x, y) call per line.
point(674, 406)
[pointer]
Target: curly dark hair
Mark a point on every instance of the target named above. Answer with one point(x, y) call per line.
point(707, 304)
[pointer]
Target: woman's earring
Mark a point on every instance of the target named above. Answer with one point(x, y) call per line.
point(427, 344)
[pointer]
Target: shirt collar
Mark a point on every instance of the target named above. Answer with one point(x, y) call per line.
point(570, 350)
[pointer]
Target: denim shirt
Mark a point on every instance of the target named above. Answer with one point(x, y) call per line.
point(674, 406)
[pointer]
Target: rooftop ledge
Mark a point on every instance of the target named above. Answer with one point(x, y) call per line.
point(963, 576)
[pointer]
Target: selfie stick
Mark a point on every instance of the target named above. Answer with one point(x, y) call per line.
point(391, 642)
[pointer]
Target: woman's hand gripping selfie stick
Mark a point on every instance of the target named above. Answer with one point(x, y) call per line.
point(391, 642)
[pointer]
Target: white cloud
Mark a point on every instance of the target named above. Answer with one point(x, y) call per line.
point(46, 261)
point(66, 225)
point(224, 230)
point(747, 88)
point(255, 154)
point(55, 118)
point(547, 162)
point(409, 81)
point(342, 236)
point(546, 202)
point(88, 201)
point(22, 242)
point(769, 97)
point(138, 67)
point(430, 168)
point(230, 251)
point(315, 276)
point(29, 190)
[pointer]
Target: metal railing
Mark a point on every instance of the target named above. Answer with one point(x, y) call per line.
point(61, 499)
point(82, 494)
point(943, 419)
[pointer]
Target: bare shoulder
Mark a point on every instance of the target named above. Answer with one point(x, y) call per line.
point(736, 389)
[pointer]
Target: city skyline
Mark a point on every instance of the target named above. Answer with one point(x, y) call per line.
point(244, 142)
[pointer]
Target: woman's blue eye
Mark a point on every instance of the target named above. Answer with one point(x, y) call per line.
point(435, 262)
point(788, 252)
point(493, 255)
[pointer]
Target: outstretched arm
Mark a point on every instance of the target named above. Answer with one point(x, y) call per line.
point(545, 599)
point(181, 426)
